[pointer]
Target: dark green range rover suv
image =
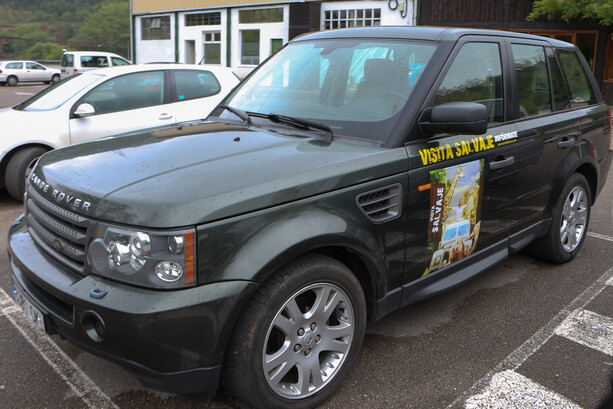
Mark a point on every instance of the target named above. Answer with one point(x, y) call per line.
point(355, 172)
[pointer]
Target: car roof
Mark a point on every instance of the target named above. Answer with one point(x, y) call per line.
point(425, 33)
point(93, 52)
point(126, 69)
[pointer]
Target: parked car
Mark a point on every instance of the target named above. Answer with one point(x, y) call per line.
point(75, 62)
point(101, 103)
point(14, 72)
point(252, 248)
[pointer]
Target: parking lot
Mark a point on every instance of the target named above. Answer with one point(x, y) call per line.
point(526, 331)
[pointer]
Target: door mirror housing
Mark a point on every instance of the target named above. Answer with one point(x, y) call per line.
point(84, 110)
point(455, 118)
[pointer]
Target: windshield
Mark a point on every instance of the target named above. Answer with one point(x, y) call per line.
point(56, 95)
point(355, 86)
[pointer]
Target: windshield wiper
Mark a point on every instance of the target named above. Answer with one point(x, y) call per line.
point(299, 123)
point(239, 113)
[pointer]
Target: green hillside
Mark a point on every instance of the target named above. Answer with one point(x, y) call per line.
point(40, 29)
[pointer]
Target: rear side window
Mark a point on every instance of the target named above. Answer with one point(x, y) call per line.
point(14, 66)
point(195, 84)
point(581, 93)
point(67, 60)
point(560, 94)
point(532, 80)
point(475, 76)
point(92, 61)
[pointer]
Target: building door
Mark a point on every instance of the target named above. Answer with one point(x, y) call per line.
point(190, 51)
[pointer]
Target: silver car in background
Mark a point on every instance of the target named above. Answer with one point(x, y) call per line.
point(14, 72)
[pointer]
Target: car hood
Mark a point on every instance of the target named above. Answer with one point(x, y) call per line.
point(202, 172)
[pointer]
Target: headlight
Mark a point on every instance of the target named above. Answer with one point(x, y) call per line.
point(147, 258)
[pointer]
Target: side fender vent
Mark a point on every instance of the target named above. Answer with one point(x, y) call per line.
point(381, 205)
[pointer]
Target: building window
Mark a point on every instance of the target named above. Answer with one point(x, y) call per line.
point(275, 45)
point(250, 47)
point(351, 18)
point(155, 28)
point(203, 19)
point(608, 68)
point(212, 47)
point(260, 16)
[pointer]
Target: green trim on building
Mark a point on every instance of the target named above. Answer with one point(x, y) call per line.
point(133, 42)
point(176, 36)
point(228, 37)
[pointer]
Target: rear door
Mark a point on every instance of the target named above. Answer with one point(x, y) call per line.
point(125, 103)
point(195, 94)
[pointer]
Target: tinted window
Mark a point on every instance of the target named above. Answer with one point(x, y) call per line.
point(132, 91)
point(67, 60)
point(195, 84)
point(14, 66)
point(581, 93)
point(93, 61)
point(560, 94)
point(119, 61)
point(475, 76)
point(532, 80)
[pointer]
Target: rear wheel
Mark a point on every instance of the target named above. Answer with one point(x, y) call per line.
point(19, 168)
point(569, 223)
point(299, 336)
point(12, 81)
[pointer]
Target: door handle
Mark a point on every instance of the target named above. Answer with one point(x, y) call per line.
point(502, 163)
point(164, 116)
point(566, 143)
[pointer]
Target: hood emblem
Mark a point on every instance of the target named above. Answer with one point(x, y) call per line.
point(59, 196)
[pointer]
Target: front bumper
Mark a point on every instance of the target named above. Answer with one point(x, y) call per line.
point(171, 340)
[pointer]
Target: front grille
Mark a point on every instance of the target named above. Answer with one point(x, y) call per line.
point(60, 233)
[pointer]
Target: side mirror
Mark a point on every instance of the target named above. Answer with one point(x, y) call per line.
point(84, 110)
point(455, 118)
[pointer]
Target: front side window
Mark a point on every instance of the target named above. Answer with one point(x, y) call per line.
point(250, 47)
point(155, 28)
point(34, 66)
point(132, 91)
point(581, 93)
point(195, 84)
point(475, 76)
point(119, 61)
point(532, 80)
point(357, 87)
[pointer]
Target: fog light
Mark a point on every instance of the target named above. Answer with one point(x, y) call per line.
point(168, 271)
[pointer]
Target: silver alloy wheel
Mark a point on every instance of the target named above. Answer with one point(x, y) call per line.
point(574, 218)
point(308, 340)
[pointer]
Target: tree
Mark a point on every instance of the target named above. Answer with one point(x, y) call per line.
point(567, 10)
point(44, 51)
point(109, 27)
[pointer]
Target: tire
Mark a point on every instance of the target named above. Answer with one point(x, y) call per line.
point(569, 224)
point(12, 81)
point(18, 169)
point(309, 355)
point(55, 79)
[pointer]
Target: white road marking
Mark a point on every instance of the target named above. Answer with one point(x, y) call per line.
point(509, 389)
point(61, 363)
point(600, 236)
point(521, 354)
point(24, 93)
point(589, 329)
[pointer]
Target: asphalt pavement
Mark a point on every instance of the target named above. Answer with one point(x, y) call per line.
point(526, 333)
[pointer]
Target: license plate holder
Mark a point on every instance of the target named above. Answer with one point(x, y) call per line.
point(34, 314)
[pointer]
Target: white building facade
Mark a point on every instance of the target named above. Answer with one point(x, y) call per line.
point(241, 34)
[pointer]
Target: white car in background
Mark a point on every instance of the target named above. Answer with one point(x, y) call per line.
point(14, 72)
point(105, 102)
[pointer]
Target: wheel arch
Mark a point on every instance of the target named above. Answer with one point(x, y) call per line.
point(588, 170)
point(5, 160)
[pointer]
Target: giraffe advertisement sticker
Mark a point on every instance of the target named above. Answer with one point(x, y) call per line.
point(455, 213)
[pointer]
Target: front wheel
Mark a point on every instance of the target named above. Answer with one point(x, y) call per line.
point(19, 168)
point(55, 79)
point(298, 337)
point(569, 223)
